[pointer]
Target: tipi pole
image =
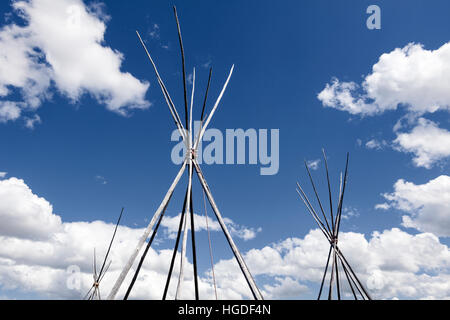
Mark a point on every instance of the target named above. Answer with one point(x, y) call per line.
point(325, 273)
point(329, 189)
point(251, 282)
point(313, 212)
point(210, 246)
point(206, 95)
point(88, 293)
point(180, 39)
point(202, 116)
point(339, 212)
point(184, 243)
point(351, 278)
point(194, 251)
point(203, 129)
point(189, 211)
point(110, 244)
point(338, 287)
point(330, 290)
point(183, 259)
point(144, 237)
point(138, 269)
point(169, 101)
point(317, 196)
point(175, 250)
point(348, 279)
point(191, 205)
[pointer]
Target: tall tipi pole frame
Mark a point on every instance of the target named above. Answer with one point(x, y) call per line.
point(331, 233)
point(191, 163)
point(94, 291)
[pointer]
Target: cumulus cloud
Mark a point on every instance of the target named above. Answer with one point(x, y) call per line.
point(426, 141)
point(3, 174)
point(339, 95)
point(411, 76)
point(38, 252)
point(61, 45)
point(236, 230)
point(427, 205)
point(390, 264)
point(21, 211)
point(285, 288)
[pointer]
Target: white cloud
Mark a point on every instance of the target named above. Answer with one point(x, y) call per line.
point(411, 76)
point(350, 212)
point(382, 206)
point(101, 179)
point(376, 144)
point(154, 33)
point(359, 142)
point(21, 211)
point(285, 288)
point(9, 110)
point(207, 64)
point(190, 78)
point(31, 122)
point(427, 205)
point(236, 230)
point(313, 164)
point(391, 263)
point(426, 141)
point(3, 174)
point(62, 45)
point(36, 249)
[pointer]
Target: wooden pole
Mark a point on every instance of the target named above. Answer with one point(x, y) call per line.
point(138, 269)
point(324, 273)
point(208, 120)
point(166, 94)
point(251, 282)
point(184, 243)
point(183, 65)
point(175, 249)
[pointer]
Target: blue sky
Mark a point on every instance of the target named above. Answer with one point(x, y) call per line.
point(88, 162)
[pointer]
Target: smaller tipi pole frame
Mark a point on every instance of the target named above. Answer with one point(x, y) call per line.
point(98, 277)
point(331, 233)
